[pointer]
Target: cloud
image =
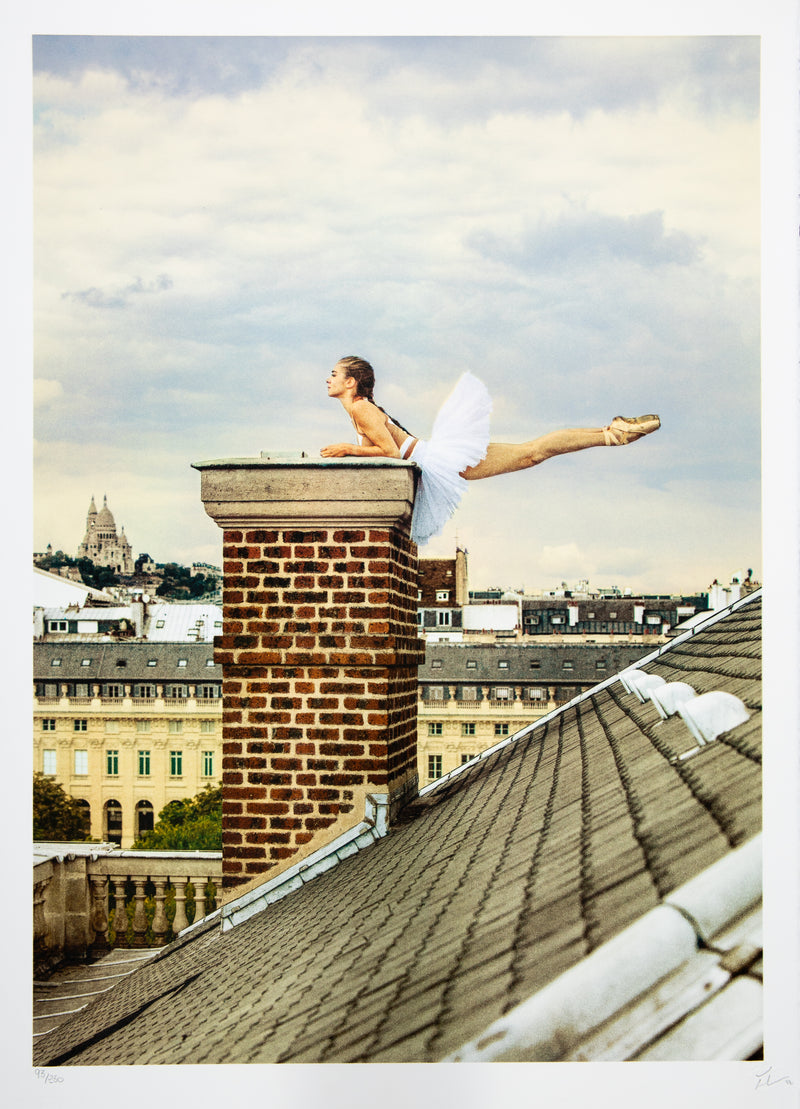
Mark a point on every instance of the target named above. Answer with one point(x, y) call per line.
point(119, 298)
point(45, 391)
point(583, 238)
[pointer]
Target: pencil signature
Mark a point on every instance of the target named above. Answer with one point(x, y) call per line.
point(765, 1079)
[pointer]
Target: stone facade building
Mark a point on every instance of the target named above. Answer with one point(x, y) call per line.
point(127, 727)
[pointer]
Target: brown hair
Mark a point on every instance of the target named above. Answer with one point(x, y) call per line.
point(364, 375)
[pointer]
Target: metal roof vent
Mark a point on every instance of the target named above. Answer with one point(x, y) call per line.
point(711, 714)
point(636, 681)
point(668, 698)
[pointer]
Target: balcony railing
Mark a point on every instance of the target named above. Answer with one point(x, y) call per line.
point(91, 897)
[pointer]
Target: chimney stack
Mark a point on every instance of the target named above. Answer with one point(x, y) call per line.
point(319, 652)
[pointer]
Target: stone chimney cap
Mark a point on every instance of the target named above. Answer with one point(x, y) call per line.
point(296, 490)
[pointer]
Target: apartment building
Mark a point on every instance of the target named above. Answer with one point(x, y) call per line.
point(126, 727)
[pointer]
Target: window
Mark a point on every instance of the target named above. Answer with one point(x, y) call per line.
point(556, 619)
point(144, 764)
point(112, 726)
point(113, 821)
point(472, 664)
point(567, 664)
point(121, 662)
point(208, 764)
point(435, 727)
point(144, 692)
point(176, 764)
point(434, 766)
point(86, 662)
point(435, 692)
point(142, 726)
point(210, 661)
point(175, 727)
point(442, 594)
point(145, 817)
point(207, 727)
point(152, 662)
point(535, 664)
point(466, 758)
point(48, 725)
point(112, 763)
point(49, 762)
point(436, 664)
point(112, 690)
point(600, 664)
point(79, 725)
point(469, 693)
point(181, 662)
point(177, 692)
point(503, 664)
point(57, 626)
point(612, 615)
point(468, 729)
point(209, 692)
point(537, 694)
point(501, 729)
point(82, 762)
point(443, 619)
point(80, 689)
point(55, 661)
point(160, 623)
point(502, 693)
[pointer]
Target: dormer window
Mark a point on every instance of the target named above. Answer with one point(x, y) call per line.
point(55, 661)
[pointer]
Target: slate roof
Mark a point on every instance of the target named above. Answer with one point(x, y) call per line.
point(105, 658)
point(500, 883)
point(447, 662)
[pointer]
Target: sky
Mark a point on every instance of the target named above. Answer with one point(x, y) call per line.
point(575, 219)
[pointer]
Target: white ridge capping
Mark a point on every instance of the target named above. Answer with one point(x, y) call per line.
point(374, 826)
point(552, 1022)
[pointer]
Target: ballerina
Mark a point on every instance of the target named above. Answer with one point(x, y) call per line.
point(458, 450)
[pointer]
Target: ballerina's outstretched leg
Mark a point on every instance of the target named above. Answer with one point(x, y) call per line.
point(505, 458)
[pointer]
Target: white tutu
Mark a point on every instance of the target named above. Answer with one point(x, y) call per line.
point(459, 439)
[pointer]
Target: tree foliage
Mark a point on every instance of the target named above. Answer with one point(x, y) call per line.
point(56, 815)
point(191, 824)
point(178, 583)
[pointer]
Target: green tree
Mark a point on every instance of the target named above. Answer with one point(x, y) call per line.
point(192, 824)
point(56, 815)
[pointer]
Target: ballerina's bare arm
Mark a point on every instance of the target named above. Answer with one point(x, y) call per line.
point(370, 423)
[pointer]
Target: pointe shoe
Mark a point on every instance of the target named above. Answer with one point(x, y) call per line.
point(627, 429)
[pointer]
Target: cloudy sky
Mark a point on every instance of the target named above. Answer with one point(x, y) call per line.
point(574, 219)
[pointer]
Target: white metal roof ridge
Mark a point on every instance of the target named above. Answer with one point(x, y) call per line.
point(373, 827)
point(664, 647)
point(553, 1021)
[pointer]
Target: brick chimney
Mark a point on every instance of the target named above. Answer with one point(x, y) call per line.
point(319, 652)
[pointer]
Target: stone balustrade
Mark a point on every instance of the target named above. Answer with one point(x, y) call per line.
point(89, 897)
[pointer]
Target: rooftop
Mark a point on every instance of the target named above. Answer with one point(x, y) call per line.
point(589, 888)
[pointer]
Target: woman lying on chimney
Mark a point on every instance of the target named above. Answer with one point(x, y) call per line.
point(458, 450)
